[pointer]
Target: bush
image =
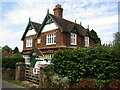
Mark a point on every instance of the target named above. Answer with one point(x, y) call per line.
point(98, 63)
point(10, 62)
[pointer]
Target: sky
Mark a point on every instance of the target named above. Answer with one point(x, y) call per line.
point(100, 15)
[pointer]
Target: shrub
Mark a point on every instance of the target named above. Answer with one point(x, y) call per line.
point(99, 63)
point(10, 62)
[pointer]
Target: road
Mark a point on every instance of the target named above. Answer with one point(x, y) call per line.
point(9, 85)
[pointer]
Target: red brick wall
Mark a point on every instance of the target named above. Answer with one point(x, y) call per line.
point(92, 42)
point(62, 39)
point(59, 39)
point(24, 43)
point(80, 41)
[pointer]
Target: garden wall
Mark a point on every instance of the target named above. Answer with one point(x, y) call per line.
point(8, 73)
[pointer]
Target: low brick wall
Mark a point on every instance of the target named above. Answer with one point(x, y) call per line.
point(8, 73)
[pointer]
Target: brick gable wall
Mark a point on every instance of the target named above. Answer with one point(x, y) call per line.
point(42, 36)
point(24, 43)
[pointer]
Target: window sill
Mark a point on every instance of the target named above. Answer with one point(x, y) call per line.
point(28, 46)
point(87, 46)
point(73, 44)
point(51, 44)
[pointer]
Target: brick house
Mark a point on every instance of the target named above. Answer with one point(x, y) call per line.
point(55, 33)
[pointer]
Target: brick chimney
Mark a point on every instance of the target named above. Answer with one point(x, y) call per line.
point(58, 10)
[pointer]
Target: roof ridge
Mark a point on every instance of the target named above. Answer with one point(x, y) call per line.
point(68, 20)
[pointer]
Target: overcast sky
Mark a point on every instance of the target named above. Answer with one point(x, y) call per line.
point(100, 16)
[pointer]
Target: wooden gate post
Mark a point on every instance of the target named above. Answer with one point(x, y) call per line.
point(20, 71)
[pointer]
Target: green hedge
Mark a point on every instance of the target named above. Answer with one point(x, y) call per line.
point(10, 62)
point(98, 63)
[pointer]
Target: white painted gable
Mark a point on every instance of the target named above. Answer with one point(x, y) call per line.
point(49, 27)
point(31, 32)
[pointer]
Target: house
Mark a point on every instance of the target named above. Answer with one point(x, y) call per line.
point(55, 33)
point(6, 54)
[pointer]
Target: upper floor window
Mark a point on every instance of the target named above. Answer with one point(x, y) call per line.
point(73, 39)
point(29, 42)
point(86, 41)
point(51, 39)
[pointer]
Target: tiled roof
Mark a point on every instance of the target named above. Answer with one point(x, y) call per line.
point(38, 52)
point(36, 25)
point(26, 52)
point(6, 53)
point(68, 25)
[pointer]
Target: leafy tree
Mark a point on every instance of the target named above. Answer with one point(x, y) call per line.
point(6, 48)
point(116, 44)
point(16, 50)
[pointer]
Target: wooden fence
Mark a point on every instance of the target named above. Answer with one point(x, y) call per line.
point(29, 76)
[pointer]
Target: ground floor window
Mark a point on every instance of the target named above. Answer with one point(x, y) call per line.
point(48, 55)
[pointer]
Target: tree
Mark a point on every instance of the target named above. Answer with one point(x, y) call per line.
point(16, 50)
point(6, 48)
point(116, 44)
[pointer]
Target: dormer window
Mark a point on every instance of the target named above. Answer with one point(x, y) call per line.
point(29, 42)
point(86, 41)
point(51, 39)
point(73, 39)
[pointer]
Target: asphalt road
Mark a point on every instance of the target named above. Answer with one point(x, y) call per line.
point(9, 85)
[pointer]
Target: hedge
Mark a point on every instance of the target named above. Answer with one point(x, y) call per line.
point(98, 63)
point(10, 62)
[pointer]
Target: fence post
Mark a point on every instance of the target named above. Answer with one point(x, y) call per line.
point(20, 71)
point(41, 77)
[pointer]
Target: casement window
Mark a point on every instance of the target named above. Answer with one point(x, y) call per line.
point(86, 41)
point(73, 39)
point(38, 41)
point(51, 39)
point(29, 42)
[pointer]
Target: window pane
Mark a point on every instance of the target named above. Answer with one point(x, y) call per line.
point(51, 38)
point(73, 39)
point(29, 42)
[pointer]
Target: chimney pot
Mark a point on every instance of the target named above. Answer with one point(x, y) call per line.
point(58, 10)
point(58, 6)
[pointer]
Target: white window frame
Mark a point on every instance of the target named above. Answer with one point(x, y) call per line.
point(51, 39)
point(87, 41)
point(73, 39)
point(29, 42)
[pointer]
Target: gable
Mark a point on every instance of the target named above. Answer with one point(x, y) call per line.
point(31, 29)
point(30, 32)
point(48, 24)
point(49, 27)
